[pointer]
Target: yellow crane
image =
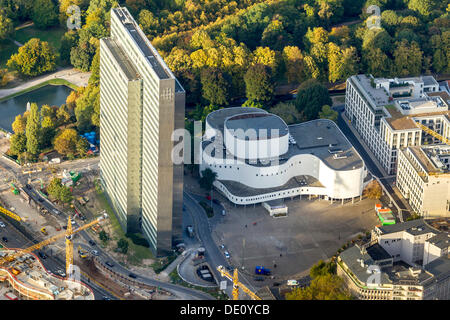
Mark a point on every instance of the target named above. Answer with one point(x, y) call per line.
point(236, 284)
point(433, 133)
point(11, 214)
point(69, 245)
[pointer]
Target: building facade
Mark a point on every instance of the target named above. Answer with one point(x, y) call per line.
point(384, 112)
point(423, 177)
point(141, 104)
point(258, 158)
point(407, 261)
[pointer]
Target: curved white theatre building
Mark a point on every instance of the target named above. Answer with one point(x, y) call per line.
point(258, 158)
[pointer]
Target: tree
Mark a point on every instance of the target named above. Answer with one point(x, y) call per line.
point(34, 58)
point(325, 287)
point(18, 143)
point(322, 268)
point(215, 86)
point(424, 7)
point(342, 63)
point(82, 146)
point(374, 190)
point(408, 59)
point(103, 236)
point(287, 112)
point(86, 105)
point(63, 114)
point(293, 62)
point(122, 245)
point(328, 113)
point(54, 188)
point(311, 96)
point(20, 123)
point(207, 179)
point(6, 25)
point(94, 79)
point(33, 130)
point(378, 63)
point(44, 14)
point(68, 41)
point(258, 84)
point(65, 196)
point(66, 142)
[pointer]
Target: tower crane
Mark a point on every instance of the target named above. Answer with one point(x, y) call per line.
point(11, 214)
point(237, 284)
point(69, 244)
point(433, 133)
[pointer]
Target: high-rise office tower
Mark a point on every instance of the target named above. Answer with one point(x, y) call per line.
point(141, 104)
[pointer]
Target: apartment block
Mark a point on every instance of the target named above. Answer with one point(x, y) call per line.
point(423, 177)
point(141, 103)
point(406, 261)
point(385, 113)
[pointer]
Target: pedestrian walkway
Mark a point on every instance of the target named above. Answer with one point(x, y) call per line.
point(76, 77)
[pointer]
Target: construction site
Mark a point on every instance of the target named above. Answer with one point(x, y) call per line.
point(29, 279)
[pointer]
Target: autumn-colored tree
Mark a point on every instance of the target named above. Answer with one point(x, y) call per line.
point(293, 61)
point(20, 123)
point(6, 25)
point(33, 58)
point(66, 142)
point(373, 190)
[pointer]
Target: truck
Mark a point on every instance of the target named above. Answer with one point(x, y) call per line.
point(262, 270)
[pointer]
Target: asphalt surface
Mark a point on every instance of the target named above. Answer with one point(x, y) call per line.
point(370, 164)
point(213, 255)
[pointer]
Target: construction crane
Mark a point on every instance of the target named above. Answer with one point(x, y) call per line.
point(10, 214)
point(433, 133)
point(69, 244)
point(236, 284)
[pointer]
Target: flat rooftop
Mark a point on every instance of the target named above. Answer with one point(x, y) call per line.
point(321, 138)
point(122, 60)
point(379, 96)
point(257, 122)
point(413, 227)
point(151, 54)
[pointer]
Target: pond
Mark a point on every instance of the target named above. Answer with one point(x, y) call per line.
point(51, 95)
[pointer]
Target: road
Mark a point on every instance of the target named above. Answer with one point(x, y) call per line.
point(179, 291)
point(213, 254)
point(387, 181)
point(16, 239)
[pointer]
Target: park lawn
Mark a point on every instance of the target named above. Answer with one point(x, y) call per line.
point(51, 35)
point(7, 49)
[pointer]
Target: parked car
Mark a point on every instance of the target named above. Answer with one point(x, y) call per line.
point(109, 264)
point(61, 273)
point(42, 255)
point(28, 186)
point(2, 224)
point(132, 275)
point(94, 253)
point(222, 246)
point(40, 200)
point(92, 242)
point(5, 239)
point(216, 201)
point(223, 212)
point(227, 254)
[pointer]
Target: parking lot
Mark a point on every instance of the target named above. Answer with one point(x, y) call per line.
point(289, 246)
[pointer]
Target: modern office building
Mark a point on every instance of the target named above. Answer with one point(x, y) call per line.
point(406, 261)
point(423, 177)
point(384, 112)
point(141, 104)
point(258, 158)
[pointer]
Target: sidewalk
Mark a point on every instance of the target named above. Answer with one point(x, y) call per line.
point(71, 75)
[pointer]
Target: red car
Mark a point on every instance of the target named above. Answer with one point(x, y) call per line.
point(208, 197)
